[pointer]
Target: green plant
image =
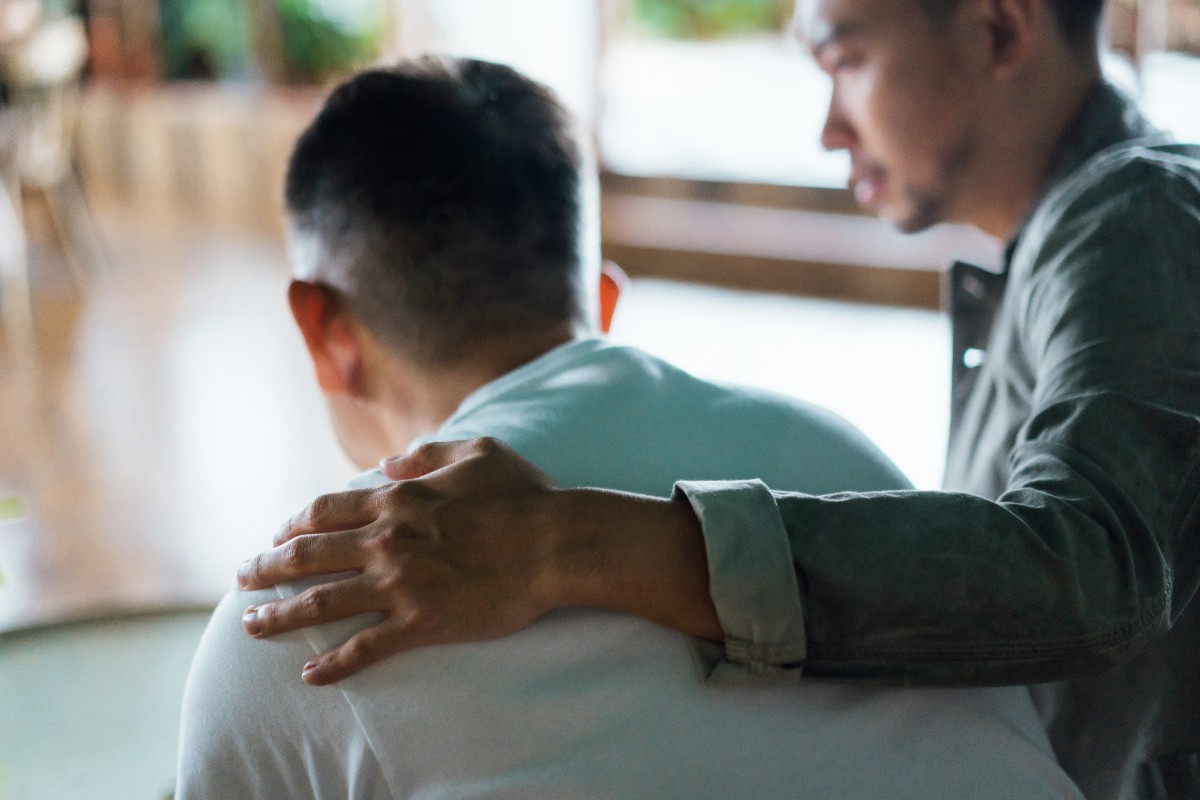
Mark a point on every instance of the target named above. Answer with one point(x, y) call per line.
point(323, 39)
point(316, 39)
point(204, 38)
point(11, 507)
point(707, 19)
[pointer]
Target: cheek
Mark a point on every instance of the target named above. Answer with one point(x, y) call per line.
point(865, 99)
point(890, 129)
point(913, 128)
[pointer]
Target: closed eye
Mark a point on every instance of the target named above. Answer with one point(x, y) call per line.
point(839, 59)
point(846, 62)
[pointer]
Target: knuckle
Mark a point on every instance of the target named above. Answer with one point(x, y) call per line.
point(319, 509)
point(393, 584)
point(380, 542)
point(268, 616)
point(393, 498)
point(421, 615)
point(405, 493)
point(382, 496)
point(488, 445)
point(292, 554)
point(314, 603)
point(395, 494)
point(424, 451)
point(254, 570)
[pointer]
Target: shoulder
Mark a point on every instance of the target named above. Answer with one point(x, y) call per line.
point(229, 708)
point(808, 447)
point(226, 651)
point(731, 430)
point(619, 417)
point(636, 388)
point(1137, 187)
point(1138, 163)
point(250, 726)
point(1120, 233)
point(1104, 285)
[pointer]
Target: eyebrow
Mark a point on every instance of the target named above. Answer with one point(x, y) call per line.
point(837, 33)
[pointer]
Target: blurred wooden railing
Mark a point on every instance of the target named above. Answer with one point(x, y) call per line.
point(213, 157)
point(191, 155)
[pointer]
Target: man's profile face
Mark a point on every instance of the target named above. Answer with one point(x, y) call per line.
point(902, 103)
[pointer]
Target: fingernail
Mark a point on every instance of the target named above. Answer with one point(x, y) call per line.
point(309, 673)
point(243, 574)
point(250, 621)
point(383, 462)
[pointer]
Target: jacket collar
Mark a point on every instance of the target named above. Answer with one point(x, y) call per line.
point(1107, 117)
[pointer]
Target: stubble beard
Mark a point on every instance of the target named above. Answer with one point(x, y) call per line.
point(931, 206)
point(926, 210)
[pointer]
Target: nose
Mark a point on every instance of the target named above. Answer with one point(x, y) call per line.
point(837, 132)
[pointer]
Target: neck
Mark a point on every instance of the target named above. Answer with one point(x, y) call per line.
point(415, 400)
point(1026, 134)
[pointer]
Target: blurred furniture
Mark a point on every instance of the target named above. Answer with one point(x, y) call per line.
point(191, 156)
point(16, 314)
point(42, 71)
point(91, 708)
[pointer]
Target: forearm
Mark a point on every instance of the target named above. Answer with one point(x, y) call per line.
point(953, 589)
point(1083, 560)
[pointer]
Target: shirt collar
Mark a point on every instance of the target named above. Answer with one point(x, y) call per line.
point(1107, 117)
point(548, 364)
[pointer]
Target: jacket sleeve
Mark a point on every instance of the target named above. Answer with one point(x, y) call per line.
point(1092, 550)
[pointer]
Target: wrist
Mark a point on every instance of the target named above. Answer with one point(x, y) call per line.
point(574, 550)
point(628, 553)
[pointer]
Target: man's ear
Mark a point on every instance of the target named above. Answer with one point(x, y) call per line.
point(336, 355)
point(1013, 28)
point(613, 281)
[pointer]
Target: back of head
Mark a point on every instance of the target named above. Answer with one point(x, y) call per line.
point(442, 199)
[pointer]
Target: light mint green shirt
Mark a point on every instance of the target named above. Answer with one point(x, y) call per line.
point(587, 703)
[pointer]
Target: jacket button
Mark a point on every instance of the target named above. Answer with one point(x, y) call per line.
point(973, 357)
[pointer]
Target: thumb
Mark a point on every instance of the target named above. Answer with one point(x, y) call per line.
point(425, 459)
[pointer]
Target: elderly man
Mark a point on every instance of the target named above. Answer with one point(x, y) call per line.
point(445, 260)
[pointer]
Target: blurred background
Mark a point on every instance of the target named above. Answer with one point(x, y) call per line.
point(157, 417)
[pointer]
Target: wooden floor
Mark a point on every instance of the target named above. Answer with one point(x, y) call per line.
point(170, 423)
point(167, 427)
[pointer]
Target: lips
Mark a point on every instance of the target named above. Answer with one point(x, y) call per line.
point(867, 182)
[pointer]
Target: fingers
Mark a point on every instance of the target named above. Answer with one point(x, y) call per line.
point(325, 602)
point(339, 511)
point(302, 557)
point(358, 652)
point(433, 456)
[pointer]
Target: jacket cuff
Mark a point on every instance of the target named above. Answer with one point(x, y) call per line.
point(752, 582)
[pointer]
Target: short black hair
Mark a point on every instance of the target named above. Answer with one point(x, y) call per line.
point(1078, 20)
point(449, 190)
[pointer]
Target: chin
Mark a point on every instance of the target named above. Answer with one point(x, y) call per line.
point(913, 224)
point(915, 218)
